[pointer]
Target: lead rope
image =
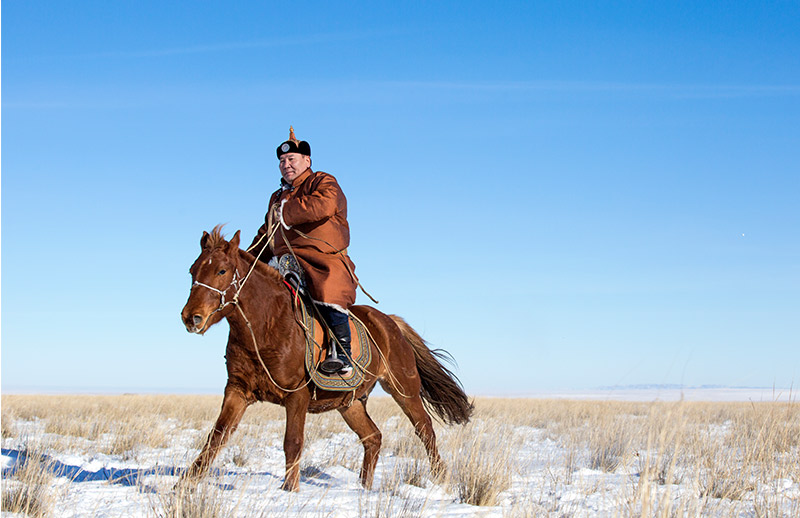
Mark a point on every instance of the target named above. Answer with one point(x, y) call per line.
point(340, 253)
point(255, 346)
point(276, 226)
point(235, 302)
point(309, 333)
point(392, 379)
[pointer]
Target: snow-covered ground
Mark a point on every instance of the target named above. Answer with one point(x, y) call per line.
point(540, 474)
point(103, 486)
point(669, 393)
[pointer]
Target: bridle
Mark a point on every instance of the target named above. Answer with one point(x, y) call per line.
point(236, 283)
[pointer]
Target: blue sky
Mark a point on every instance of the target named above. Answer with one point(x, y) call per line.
point(562, 195)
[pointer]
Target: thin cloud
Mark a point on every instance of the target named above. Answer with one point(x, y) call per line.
point(677, 90)
point(229, 46)
point(371, 90)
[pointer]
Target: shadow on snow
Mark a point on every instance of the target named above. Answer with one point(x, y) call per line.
point(133, 477)
point(117, 476)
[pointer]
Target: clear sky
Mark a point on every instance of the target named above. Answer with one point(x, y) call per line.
point(564, 195)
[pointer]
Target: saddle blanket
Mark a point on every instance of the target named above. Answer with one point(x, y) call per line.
point(317, 349)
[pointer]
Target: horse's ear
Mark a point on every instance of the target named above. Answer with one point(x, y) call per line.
point(234, 242)
point(204, 240)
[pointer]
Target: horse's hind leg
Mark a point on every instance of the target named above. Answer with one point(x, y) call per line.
point(360, 422)
point(408, 398)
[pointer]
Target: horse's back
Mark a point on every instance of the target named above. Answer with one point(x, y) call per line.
point(373, 315)
point(385, 331)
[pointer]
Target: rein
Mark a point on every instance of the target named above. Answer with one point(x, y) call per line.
point(234, 282)
point(239, 285)
point(341, 253)
point(235, 302)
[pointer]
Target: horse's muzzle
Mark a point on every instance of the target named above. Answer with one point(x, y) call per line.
point(194, 323)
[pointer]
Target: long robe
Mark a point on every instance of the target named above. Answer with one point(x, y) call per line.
point(316, 206)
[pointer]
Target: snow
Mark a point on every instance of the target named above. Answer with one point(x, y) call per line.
point(92, 484)
point(657, 393)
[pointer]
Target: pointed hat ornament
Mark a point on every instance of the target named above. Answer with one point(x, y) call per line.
point(293, 145)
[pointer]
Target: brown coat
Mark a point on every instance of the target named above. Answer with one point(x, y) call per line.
point(316, 207)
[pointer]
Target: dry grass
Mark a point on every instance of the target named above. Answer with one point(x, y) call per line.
point(389, 504)
point(7, 426)
point(652, 459)
point(28, 490)
point(479, 471)
point(203, 501)
point(414, 473)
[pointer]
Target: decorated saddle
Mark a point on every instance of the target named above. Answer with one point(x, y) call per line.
point(317, 339)
point(317, 346)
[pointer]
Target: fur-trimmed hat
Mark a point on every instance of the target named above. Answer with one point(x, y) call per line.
point(294, 146)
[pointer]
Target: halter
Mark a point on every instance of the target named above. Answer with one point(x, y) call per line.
point(239, 284)
point(234, 284)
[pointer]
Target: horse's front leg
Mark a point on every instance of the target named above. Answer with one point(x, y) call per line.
point(296, 409)
point(233, 406)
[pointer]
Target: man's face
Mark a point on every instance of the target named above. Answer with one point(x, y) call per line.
point(293, 165)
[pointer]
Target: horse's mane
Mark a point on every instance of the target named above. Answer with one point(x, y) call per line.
point(260, 266)
point(217, 240)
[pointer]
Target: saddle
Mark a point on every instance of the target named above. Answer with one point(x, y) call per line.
point(317, 345)
point(317, 339)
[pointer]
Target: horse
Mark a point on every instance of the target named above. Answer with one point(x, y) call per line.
point(265, 362)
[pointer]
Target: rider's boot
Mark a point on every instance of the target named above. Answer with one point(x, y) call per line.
point(339, 362)
point(342, 334)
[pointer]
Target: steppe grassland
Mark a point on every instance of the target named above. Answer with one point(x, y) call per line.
point(675, 459)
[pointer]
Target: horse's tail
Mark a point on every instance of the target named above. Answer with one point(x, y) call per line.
point(441, 390)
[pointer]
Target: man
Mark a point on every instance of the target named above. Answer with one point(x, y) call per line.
point(311, 210)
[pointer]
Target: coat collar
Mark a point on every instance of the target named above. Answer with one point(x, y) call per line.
point(286, 186)
point(302, 178)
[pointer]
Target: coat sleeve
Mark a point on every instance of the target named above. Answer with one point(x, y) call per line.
point(321, 203)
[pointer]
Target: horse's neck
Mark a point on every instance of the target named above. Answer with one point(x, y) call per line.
point(261, 294)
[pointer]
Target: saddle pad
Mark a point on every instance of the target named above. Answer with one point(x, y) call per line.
point(317, 349)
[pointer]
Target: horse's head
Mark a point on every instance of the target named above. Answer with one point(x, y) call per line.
point(215, 281)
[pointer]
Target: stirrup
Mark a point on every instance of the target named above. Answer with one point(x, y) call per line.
point(346, 370)
point(331, 365)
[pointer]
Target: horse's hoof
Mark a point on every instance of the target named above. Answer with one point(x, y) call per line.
point(288, 486)
point(185, 484)
point(439, 473)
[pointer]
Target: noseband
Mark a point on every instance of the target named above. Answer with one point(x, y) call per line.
point(235, 283)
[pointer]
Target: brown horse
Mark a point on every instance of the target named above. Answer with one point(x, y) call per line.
point(404, 366)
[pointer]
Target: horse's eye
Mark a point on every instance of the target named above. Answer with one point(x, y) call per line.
point(221, 272)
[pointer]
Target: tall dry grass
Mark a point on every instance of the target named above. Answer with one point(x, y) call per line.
point(28, 490)
point(649, 459)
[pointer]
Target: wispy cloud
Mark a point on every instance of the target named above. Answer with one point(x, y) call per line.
point(687, 90)
point(230, 46)
point(380, 91)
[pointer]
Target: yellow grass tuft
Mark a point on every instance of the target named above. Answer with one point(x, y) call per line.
point(28, 491)
point(661, 459)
